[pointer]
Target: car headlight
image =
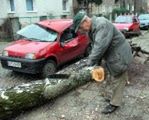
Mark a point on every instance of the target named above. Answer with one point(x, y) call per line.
point(126, 29)
point(30, 56)
point(5, 53)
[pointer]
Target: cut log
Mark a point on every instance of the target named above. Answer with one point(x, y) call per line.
point(98, 74)
point(19, 98)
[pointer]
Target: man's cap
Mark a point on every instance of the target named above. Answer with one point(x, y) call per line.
point(78, 18)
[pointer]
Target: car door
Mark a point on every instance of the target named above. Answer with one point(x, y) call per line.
point(83, 41)
point(69, 43)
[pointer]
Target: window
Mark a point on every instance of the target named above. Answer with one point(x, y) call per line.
point(68, 35)
point(123, 19)
point(64, 4)
point(12, 7)
point(44, 34)
point(29, 5)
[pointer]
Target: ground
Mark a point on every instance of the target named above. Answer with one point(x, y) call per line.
point(86, 102)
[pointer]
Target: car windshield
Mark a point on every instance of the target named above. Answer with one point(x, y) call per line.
point(36, 32)
point(144, 17)
point(123, 19)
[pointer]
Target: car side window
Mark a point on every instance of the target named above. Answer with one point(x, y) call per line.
point(68, 35)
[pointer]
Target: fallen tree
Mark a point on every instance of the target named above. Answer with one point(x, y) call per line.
point(138, 53)
point(22, 97)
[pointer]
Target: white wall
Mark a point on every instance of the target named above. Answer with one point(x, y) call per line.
point(3, 10)
point(41, 8)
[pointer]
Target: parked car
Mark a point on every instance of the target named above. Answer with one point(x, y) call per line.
point(128, 25)
point(43, 46)
point(144, 21)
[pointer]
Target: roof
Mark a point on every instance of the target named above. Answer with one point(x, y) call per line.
point(58, 25)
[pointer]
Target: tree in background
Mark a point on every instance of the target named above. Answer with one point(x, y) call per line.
point(116, 1)
point(119, 11)
point(85, 4)
point(97, 2)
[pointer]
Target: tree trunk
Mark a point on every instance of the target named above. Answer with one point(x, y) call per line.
point(19, 98)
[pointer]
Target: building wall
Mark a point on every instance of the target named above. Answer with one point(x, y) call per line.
point(147, 5)
point(41, 8)
point(3, 10)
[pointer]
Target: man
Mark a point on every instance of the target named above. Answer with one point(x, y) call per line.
point(108, 44)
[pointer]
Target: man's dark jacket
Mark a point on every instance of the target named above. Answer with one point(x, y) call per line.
point(110, 44)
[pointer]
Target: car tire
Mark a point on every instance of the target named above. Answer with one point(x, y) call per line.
point(88, 50)
point(49, 68)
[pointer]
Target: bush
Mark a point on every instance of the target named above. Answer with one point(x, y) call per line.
point(118, 11)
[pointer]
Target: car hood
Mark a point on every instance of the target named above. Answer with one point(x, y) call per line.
point(23, 47)
point(122, 26)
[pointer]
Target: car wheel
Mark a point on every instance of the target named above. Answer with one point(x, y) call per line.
point(88, 50)
point(49, 68)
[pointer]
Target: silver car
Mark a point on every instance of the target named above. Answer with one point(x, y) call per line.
point(144, 21)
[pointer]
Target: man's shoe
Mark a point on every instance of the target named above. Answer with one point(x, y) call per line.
point(109, 109)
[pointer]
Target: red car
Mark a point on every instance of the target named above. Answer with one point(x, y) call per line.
point(43, 46)
point(128, 25)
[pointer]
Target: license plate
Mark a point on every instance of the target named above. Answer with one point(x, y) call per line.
point(14, 64)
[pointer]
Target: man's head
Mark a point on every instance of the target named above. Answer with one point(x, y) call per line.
point(81, 22)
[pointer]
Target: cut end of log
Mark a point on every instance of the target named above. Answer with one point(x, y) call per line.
point(98, 74)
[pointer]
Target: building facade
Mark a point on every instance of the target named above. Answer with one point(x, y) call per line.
point(33, 10)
